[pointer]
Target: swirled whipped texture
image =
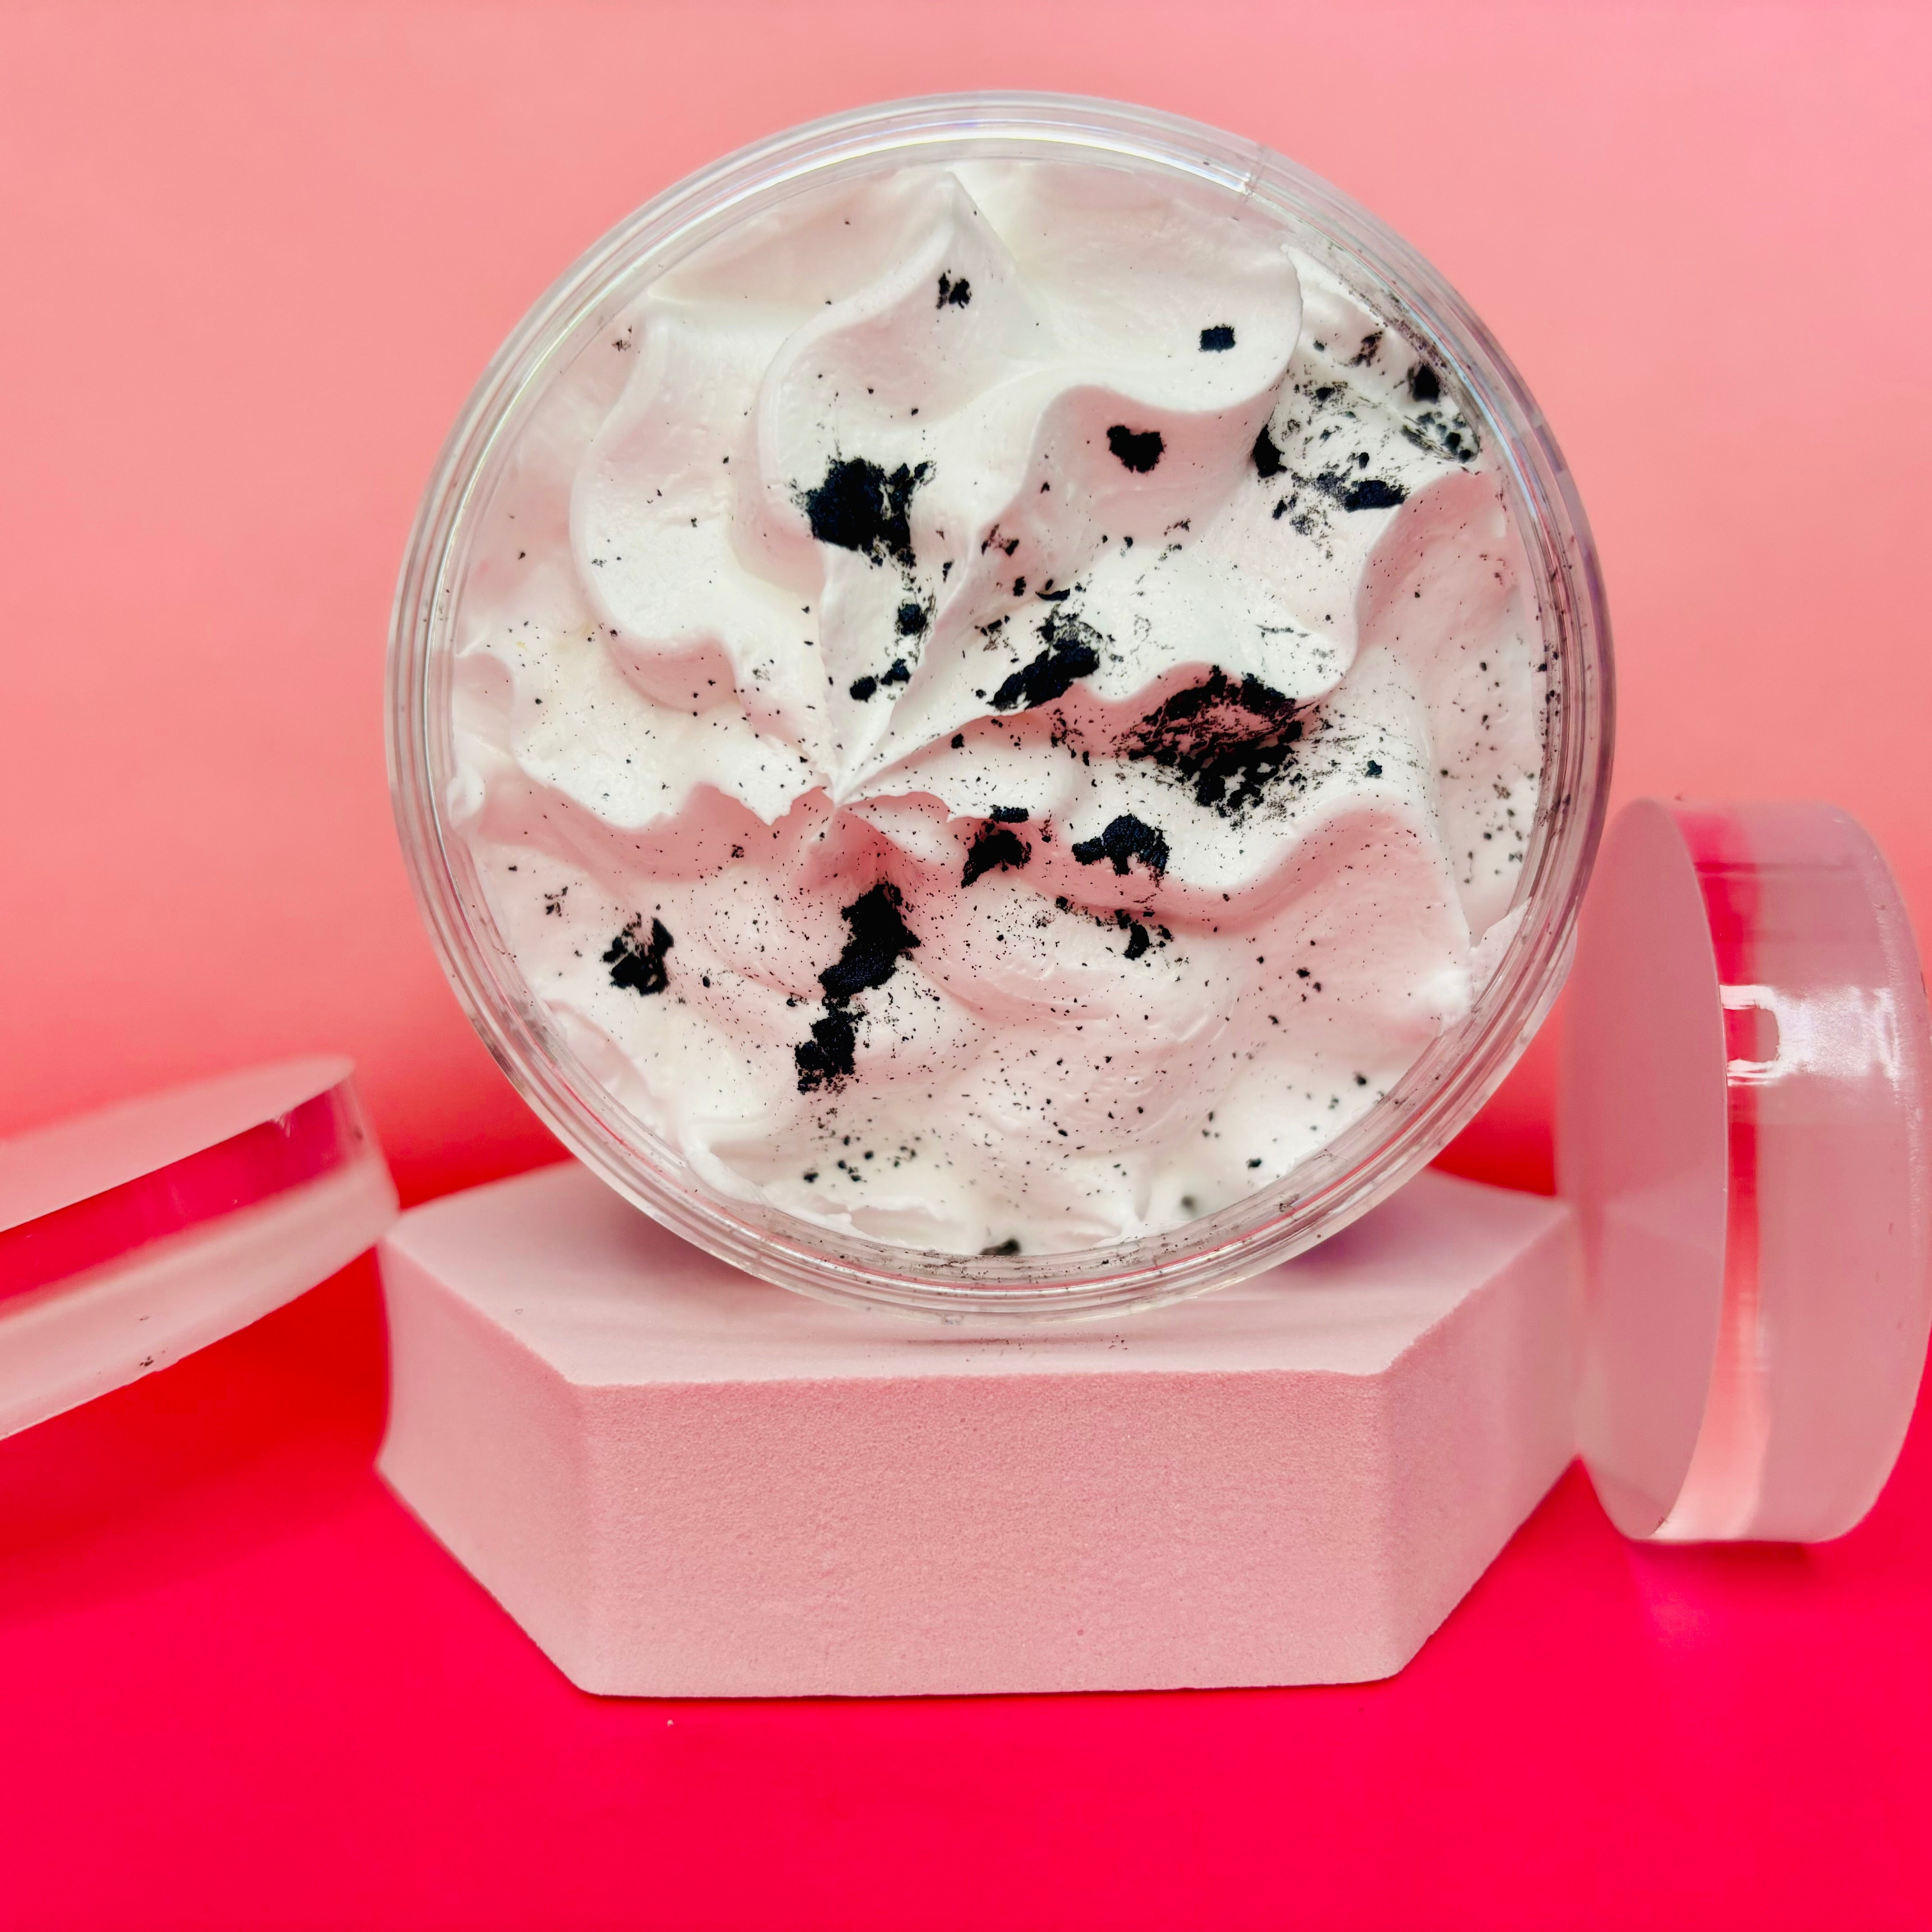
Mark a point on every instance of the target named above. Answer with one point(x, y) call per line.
point(999, 708)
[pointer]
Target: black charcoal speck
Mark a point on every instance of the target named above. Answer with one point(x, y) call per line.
point(827, 1059)
point(1221, 336)
point(995, 847)
point(880, 937)
point(859, 507)
point(637, 965)
point(1360, 493)
point(1226, 738)
point(1139, 449)
point(1072, 651)
point(1126, 839)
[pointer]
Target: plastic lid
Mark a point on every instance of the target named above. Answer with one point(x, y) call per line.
point(131, 1237)
point(1743, 1128)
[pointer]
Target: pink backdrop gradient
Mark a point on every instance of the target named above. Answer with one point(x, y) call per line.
point(255, 259)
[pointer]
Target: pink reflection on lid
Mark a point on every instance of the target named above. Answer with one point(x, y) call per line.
point(313, 1139)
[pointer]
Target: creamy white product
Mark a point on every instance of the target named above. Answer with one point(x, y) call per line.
point(999, 708)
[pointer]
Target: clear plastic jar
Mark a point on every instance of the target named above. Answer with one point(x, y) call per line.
point(1443, 1088)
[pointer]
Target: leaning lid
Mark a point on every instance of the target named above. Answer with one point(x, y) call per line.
point(1743, 1128)
point(131, 1237)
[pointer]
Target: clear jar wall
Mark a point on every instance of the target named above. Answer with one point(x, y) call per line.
point(1443, 1088)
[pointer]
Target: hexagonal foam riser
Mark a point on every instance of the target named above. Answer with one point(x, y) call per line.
point(683, 1482)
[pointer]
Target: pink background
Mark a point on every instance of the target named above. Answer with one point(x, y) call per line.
point(255, 258)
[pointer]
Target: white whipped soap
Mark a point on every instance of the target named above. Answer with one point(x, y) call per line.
point(999, 708)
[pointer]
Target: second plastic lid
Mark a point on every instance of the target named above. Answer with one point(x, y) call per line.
point(1745, 1130)
point(131, 1236)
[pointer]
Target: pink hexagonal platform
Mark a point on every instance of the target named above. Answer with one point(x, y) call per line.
point(682, 1481)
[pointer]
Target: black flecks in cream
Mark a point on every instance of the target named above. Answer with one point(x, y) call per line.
point(1134, 612)
point(861, 507)
point(880, 937)
point(637, 964)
